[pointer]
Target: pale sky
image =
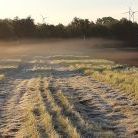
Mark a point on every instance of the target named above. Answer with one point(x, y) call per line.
point(63, 11)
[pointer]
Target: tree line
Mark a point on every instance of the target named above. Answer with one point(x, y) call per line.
point(106, 27)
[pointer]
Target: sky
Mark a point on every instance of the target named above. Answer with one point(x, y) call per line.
point(63, 11)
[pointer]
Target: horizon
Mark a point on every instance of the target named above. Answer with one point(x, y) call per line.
point(37, 23)
point(54, 10)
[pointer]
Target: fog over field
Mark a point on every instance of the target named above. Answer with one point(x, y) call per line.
point(94, 48)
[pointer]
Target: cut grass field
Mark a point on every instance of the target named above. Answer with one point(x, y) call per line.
point(37, 122)
point(53, 98)
point(119, 76)
point(49, 114)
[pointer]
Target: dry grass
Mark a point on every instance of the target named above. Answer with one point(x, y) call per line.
point(37, 122)
point(49, 114)
point(125, 78)
point(42, 116)
point(126, 81)
point(64, 101)
point(86, 129)
point(64, 124)
point(121, 76)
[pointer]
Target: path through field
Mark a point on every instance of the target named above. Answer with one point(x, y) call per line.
point(42, 99)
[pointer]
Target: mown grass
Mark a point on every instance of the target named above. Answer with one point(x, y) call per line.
point(37, 120)
point(42, 116)
point(51, 115)
point(63, 123)
point(126, 79)
point(121, 76)
point(86, 129)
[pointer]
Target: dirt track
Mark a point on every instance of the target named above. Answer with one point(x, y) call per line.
point(95, 102)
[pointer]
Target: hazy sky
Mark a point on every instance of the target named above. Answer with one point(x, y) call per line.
point(63, 11)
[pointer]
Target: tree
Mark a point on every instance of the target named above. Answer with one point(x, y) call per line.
point(105, 27)
point(24, 27)
point(80, 27)
point(106, 21)
point(6, 29)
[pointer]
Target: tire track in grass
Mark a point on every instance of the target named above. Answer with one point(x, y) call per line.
point(62, 123)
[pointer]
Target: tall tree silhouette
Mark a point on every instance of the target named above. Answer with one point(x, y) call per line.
point(107, 27)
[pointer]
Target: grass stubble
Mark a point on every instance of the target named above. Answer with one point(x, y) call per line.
point(119, 76)
point(51, 115)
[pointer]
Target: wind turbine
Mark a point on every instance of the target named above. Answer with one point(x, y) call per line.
point(43, 19)
point(133, 15)
point(129, 13)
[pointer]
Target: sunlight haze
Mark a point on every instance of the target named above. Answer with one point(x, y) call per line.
point(64, 11)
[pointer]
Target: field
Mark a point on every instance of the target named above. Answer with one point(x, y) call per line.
point(121, 76)
point(68, 88)
point(67, 96)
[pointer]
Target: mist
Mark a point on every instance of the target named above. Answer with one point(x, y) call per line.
point(94, 48)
